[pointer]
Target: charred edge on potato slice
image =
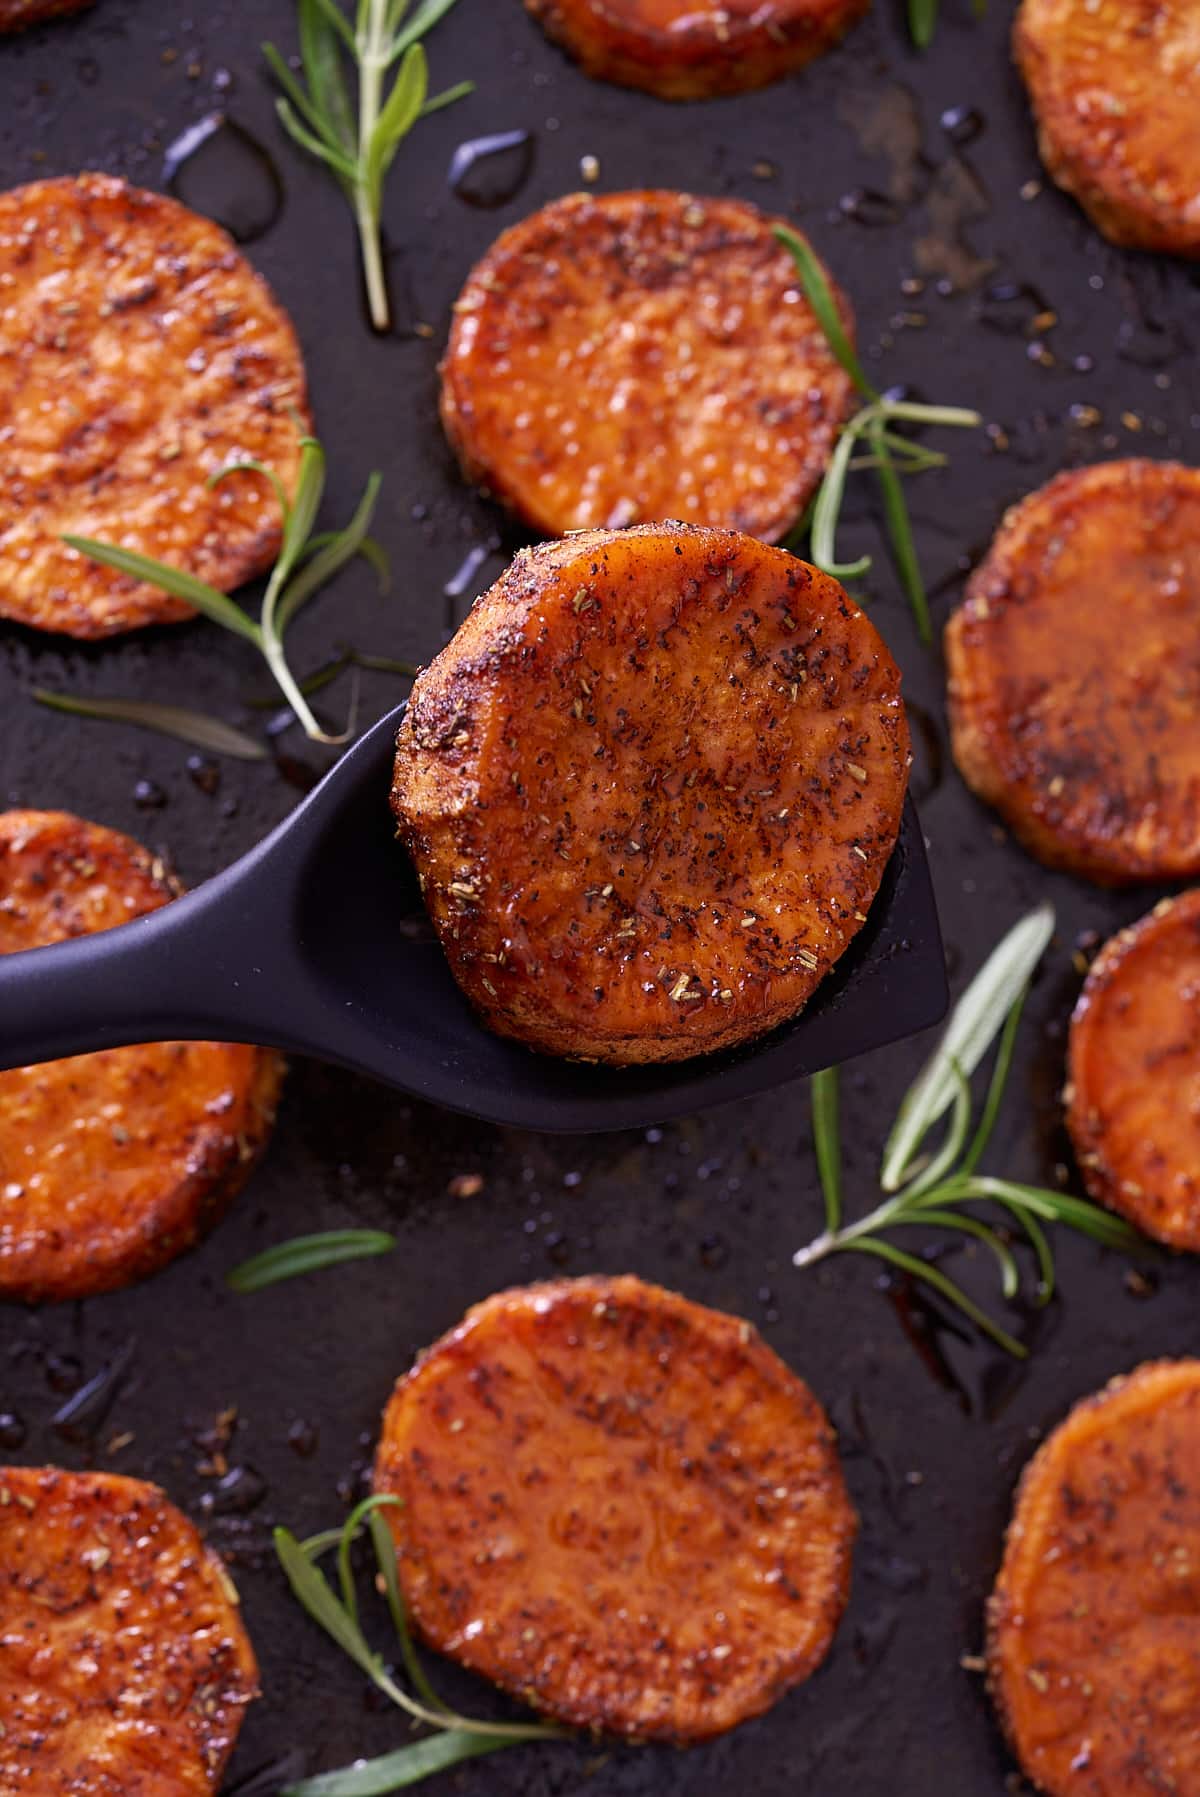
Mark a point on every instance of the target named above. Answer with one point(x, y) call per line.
point(163, 1135)
point(1115, 88)
point(638, 356)
point(1074, 672)
point(692, 49)
point(144, 353)
point(124, 1666)
point(1092, 1624)
point(650, 790)
point(620, 1506)
point(1134, 1070)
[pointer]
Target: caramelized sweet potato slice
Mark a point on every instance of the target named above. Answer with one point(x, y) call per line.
point(620, 1506)
point(628, 357)
point(1074, 669)
point(142, 353)
point(690, 49)
point(650, 789)
point(1133, 1101)
point(111, 1164)
point(124, 1664)
point(15, 15)
point(1092, 1652)
point(1115, 86)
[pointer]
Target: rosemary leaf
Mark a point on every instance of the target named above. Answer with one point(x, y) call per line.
point(406, 1766)
point(931, 1276)
point(974, 1023)
point(922, 22)
point(330, 558)
point(895, 511)
point(421, 23)
point(820, 297)
point(385, 1559)
point(308, 1254)
point(194, 727)
point(827, 1141)
point(217, 606)
point(316, 146)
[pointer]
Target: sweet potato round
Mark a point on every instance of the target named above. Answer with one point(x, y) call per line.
point(620, 1506)
point(1133, 1098)
point(111, 1164)
point(1074, 668)
point(690, 49)
point(1092, 1633)
point(124, 1664)
point(141, 353)
point(15, 15)
point(1115, 86)
point(623, 358)
point(650, 789)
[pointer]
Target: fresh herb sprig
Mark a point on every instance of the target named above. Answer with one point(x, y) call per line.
point(888, 451)
point(337, 1611)
point(307, 1254)
point(307, 561)
point(318, 113)
point(929, 1192)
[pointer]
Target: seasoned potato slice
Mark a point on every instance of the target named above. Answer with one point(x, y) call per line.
point(124, 1665)
point(1133, 1102)
point(1075, 672)
point(631, 357)
point(139, 352)
point(1115, 86)
point(1092, 1648)
point(650, 789)
point(619, 1506)
point(111, 1164)
point(16, 14)
point(689, 49)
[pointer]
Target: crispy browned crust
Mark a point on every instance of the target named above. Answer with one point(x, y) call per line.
point(650, 789)
point(1135, 1070)
point(620, 1506)
point(141, 353)
point(624, 358)
point(1115, 85)
point(111, 1164)
point(1093, 1655)
point(1074, 668)
point(15, 15)
point(691, 49)
point(124, 1663)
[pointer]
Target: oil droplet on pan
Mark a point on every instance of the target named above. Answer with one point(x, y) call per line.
point(218, 169)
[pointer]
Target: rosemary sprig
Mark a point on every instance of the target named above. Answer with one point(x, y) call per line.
point(306, 562)
point(890, 453)
point(929, 1192)
point(194, 727)
point(337, 1612)
point(318, 113)
point(307, 1254)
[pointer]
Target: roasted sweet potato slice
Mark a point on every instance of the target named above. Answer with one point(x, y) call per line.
point(1075, 672)
point(16, 14)
point(631, 357)
point(1133, 1099)
point(1092, 1649)
point(620, 1506)
point(650, 789)
point(124, 1665)
point(141, 352)
point(1115, 86)
point(111, 1164)
point(689, 49)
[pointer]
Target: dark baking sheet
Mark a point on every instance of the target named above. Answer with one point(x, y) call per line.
point(904, 169)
